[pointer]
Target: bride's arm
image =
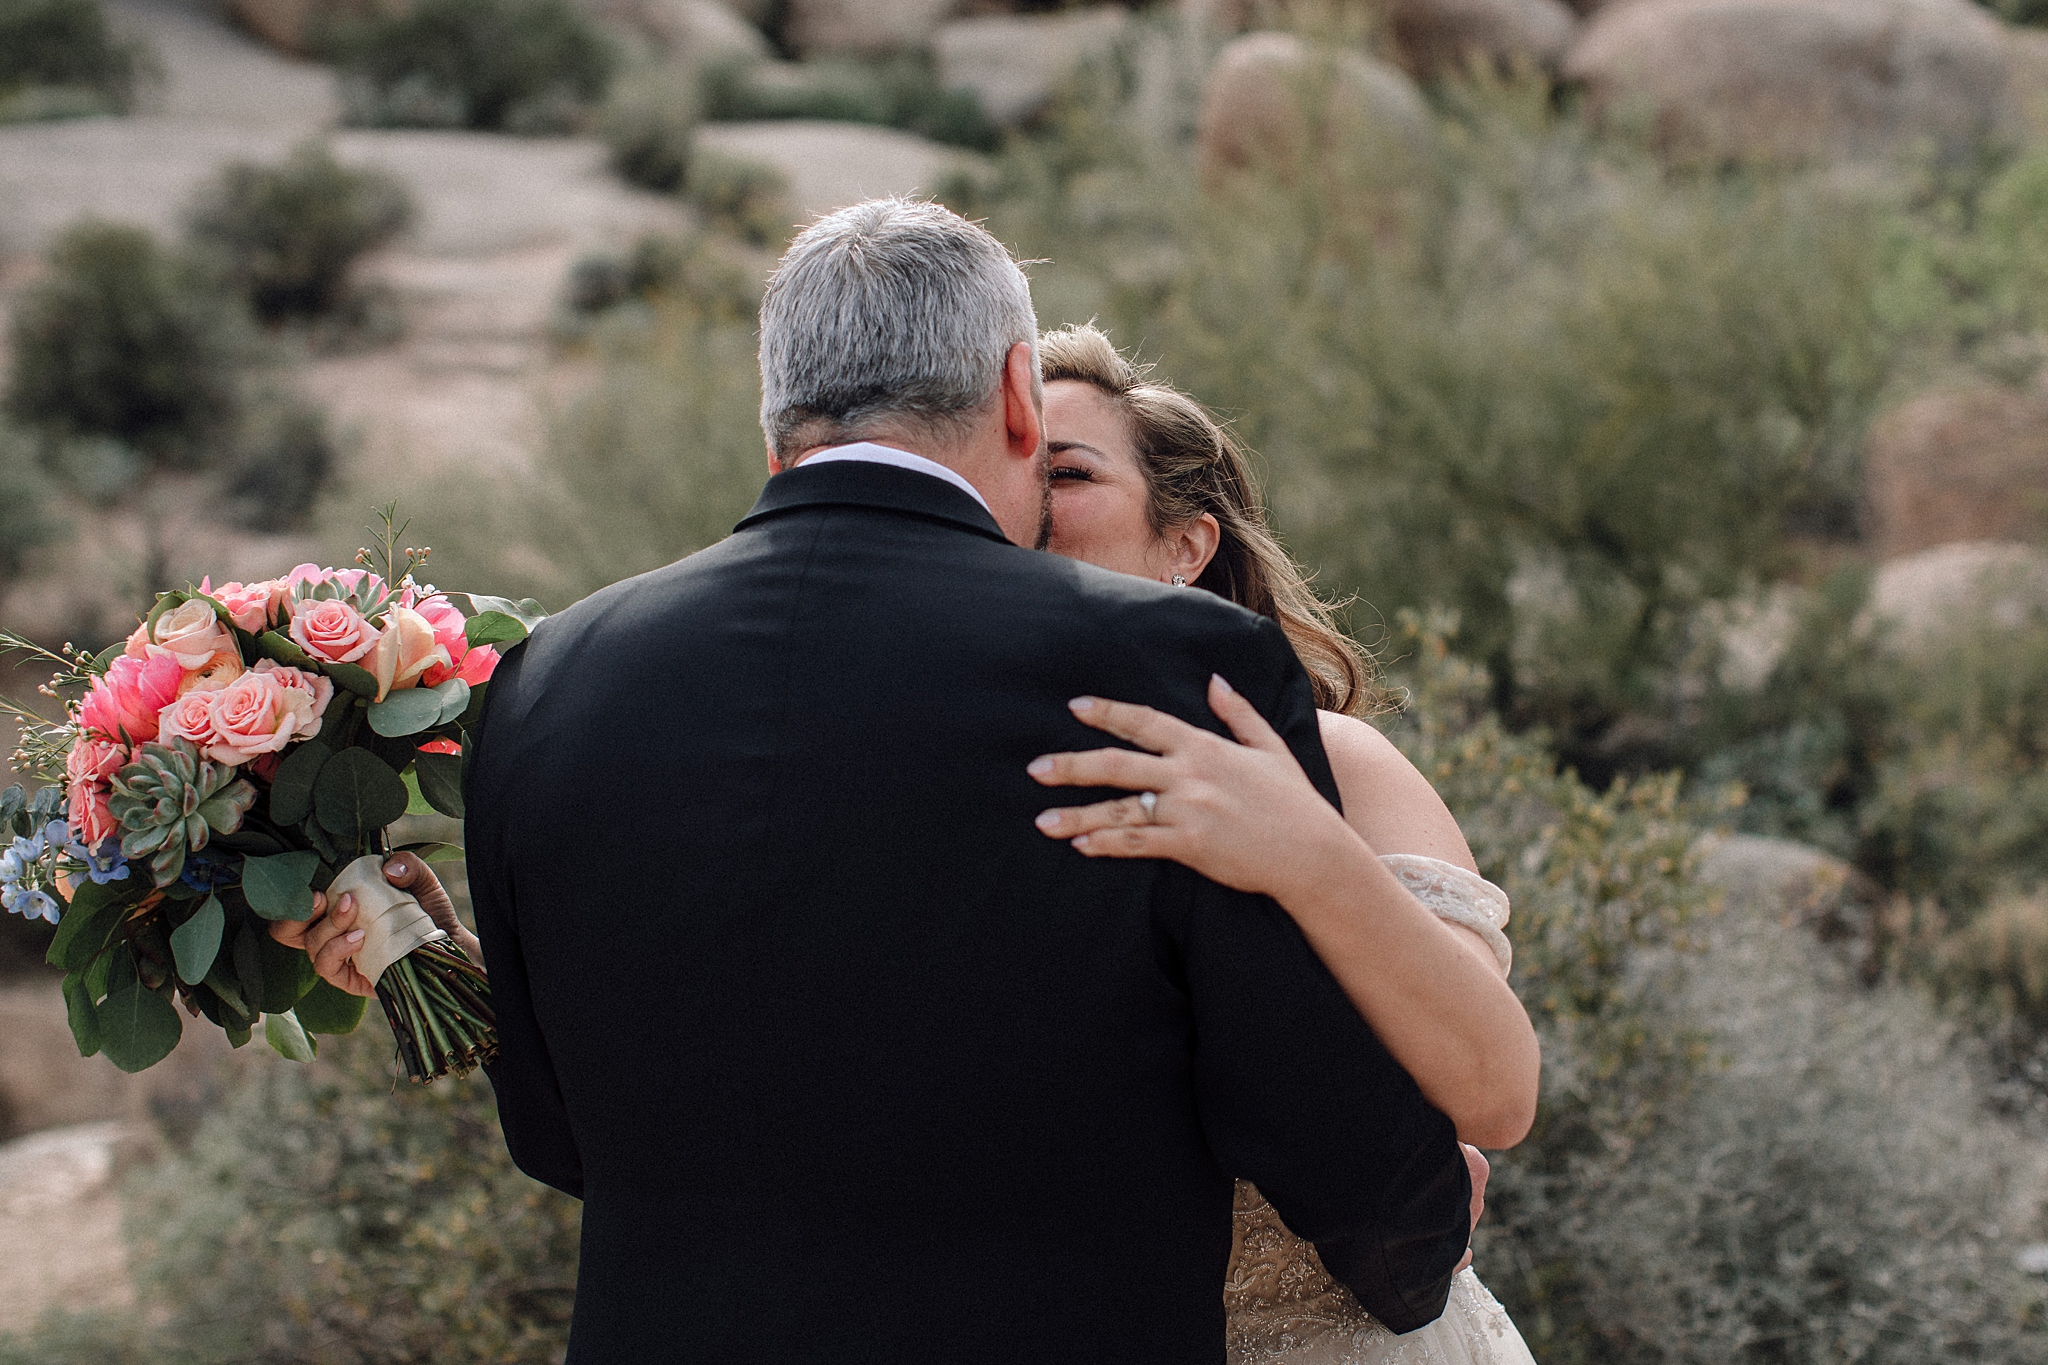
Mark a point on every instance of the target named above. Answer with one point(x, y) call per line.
point(1245, 815)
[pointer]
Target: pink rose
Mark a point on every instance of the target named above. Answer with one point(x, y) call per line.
point(406, 650)
point(317, 689)
point(90, 766)
point(189, 717)
point(258, 713)
point(333, 632)
point(252, 606)
point(126, 700)
point(471, 665)
point(221, 670)
point(193, 634)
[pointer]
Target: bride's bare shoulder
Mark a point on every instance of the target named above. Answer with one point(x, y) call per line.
point(1386, 798)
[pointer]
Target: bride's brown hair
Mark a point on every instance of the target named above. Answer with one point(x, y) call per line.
point(1192, 465)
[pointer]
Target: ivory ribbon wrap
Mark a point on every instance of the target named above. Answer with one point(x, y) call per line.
point(392, 922)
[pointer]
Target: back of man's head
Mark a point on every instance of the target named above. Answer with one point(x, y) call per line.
point(890, 315)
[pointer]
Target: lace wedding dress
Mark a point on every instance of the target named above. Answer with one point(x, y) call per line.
point(1283, 1307)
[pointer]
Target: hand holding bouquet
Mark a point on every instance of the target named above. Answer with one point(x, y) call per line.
point(246, 747)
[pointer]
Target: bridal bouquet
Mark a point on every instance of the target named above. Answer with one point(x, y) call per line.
point(247, 746)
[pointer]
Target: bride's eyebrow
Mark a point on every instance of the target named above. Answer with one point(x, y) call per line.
point(1062, 447)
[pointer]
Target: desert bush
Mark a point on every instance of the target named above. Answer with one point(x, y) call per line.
point(649, 124)
point(58, 57)
point(285, 236)
point(1742, 1153)
point(690, 269)
point(281, 459)
point(26, 518)
point(1540, 381)
point(515, 66)
point(746, 198)
point(901, 91)
point(124, 340)
point(659, 461)
point(319, 1216)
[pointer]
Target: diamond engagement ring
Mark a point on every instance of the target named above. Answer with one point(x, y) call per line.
point(1149, 803)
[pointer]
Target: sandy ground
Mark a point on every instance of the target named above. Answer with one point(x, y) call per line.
point(61, 1223)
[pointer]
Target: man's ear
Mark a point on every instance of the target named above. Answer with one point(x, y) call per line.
point(774, 465)
point(1023, 412)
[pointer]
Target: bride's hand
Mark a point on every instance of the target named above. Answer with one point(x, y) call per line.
point(1243, 814)
point(330, 938)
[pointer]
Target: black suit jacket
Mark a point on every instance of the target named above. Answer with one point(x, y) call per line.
point(846, 1060)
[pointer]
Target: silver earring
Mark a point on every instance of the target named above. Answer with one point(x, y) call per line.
point(1179, 582)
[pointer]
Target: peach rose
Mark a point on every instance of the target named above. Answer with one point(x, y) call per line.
point(193, 634)
point(317, 688)
point(189, 717)
point(126, 700)
point(405, 650)
point(88, 769)
point(256, 714)
point(252, 606)
point(333, 632)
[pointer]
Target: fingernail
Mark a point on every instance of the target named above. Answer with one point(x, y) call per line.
point(1080, 842)
point(394, 868)
point(1217, 678)
point(1081, 704)
point(1047, 819)
point(352, 937)
point(1040, 767)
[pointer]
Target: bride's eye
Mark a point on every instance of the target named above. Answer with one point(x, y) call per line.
point(1071, 473)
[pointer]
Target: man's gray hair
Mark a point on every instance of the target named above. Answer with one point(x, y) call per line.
point(886, 311)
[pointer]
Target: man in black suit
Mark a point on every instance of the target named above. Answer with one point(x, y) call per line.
point(846, 1060)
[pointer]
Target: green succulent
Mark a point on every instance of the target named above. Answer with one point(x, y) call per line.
point(170, 800)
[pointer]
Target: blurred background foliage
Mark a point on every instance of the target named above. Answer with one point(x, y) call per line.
point(1585, 436)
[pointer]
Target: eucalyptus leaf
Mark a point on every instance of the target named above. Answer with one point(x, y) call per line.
point(291, 790)
point(283, 649)
point(87, 922)
point(440, 778)
point(526, 611)
point(329, 1009)
point(238, 1037)
point(222, 982)
point(286, 1038)
point(287, 974)
point(280, 886)
point(407, 712)
point(138, 1026)
point(357, 794)
point(454, 695)
point(493, 628)
point(415, 804)
point(350, 677)
point(248, 964)
point(84, 1020)
point(195, 944)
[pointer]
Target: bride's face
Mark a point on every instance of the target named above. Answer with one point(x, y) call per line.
point(1099, 493)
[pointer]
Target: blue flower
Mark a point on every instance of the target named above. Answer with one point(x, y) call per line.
point(107, 865)
point(207, 869)
point(35, 905)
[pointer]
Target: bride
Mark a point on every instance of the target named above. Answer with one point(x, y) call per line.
point(1387, 894)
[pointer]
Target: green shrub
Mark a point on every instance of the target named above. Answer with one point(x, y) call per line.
point(1539, 381)
point(285, 236)
point(123, 340)
point(320, 1217)
point(649, 125)
point(26, 521)
point(896, 92)
point(746, 198)
point(689, 269)
point(58, 57)
point(282, 458)
point(516, 66)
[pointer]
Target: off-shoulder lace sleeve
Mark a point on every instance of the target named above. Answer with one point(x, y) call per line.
point(1452, 893)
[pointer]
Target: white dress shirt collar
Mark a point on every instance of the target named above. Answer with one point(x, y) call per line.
point(902, 459)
